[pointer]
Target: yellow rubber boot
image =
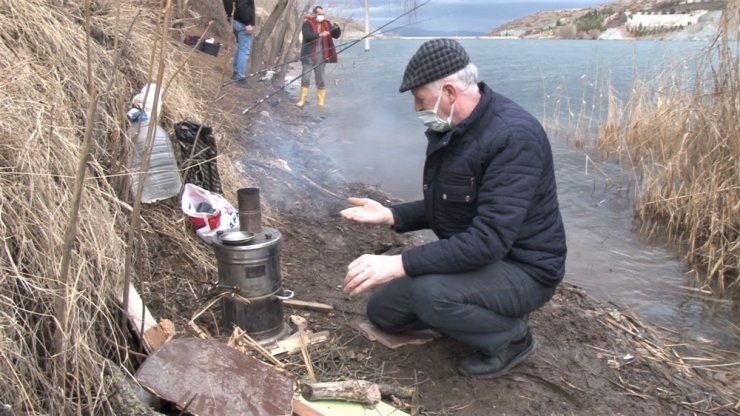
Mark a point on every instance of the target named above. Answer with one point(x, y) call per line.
point(321, 96)
point(302, 98)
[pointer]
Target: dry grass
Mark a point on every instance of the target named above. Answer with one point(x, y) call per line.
point(695, 368)
point(684, 140)
point(63, 88)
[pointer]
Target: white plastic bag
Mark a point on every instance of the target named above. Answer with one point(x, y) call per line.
point(209, 211)
point(143, 102)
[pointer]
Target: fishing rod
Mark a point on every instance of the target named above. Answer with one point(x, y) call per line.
point(349, 45)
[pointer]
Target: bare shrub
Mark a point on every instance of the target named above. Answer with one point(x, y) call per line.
point(565, 32)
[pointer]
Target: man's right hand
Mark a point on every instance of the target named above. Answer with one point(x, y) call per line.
point(367, 211)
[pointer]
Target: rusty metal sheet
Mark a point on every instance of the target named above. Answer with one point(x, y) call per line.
point(209, 378)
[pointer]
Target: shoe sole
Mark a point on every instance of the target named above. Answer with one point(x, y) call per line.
point(516, 361)
point(235, 82)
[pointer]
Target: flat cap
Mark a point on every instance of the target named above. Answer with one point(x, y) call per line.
point(434, 60)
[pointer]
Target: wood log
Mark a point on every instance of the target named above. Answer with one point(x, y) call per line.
point(399, 392)
point(360, 391)
point(122, 396)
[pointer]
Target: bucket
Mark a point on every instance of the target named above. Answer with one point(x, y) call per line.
point(210, 48)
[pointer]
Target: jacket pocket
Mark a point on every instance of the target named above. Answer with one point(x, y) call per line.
point(454, 204)
point(458, 189)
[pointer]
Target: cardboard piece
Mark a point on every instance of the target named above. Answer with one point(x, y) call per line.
point(158, 335)
point(393, 341)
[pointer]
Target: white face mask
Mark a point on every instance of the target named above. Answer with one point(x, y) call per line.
point(431, 119)
point(320, 18)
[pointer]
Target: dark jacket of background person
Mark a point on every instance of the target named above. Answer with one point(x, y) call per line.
point(311, 29)
point(489, 194)
point(244, 11)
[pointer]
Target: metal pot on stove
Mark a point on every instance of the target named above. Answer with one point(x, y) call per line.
point(249, 266)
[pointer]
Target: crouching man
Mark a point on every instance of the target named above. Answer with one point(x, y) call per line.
point(490, 197)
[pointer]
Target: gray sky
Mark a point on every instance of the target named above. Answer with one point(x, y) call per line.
point(446, 16)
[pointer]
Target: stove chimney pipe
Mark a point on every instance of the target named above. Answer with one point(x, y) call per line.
point(250, 214)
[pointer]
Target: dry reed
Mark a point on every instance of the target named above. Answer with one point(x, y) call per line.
point(681, 134)
point(53, 71)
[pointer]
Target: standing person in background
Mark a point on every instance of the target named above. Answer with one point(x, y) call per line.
point(490, 197)
point(242, 15)
point(316, 50)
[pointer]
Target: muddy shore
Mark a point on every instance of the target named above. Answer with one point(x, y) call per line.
point(591, 359)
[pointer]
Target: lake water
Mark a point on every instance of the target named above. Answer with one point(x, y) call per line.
point(372, 133)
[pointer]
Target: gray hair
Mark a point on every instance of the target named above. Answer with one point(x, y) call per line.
point(466, 80)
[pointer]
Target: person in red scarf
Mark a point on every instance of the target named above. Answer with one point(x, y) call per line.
point(317, 49)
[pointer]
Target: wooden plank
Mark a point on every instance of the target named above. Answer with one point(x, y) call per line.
point(360, 391)
point(292, 344)
point(138, 314)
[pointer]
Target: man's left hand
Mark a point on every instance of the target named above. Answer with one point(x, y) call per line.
point(368, 271)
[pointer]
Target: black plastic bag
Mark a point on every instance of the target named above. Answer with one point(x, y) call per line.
point(199, 165)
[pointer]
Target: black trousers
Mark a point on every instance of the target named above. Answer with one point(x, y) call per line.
point(486, 308)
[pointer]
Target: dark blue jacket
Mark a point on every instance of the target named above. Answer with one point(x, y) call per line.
point(244, 12)
point(489, 194)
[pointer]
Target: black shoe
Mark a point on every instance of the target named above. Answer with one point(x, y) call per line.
point(481, 365)
point(242, 82)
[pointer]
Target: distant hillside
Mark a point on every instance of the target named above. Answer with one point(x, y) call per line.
point(608, 21)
